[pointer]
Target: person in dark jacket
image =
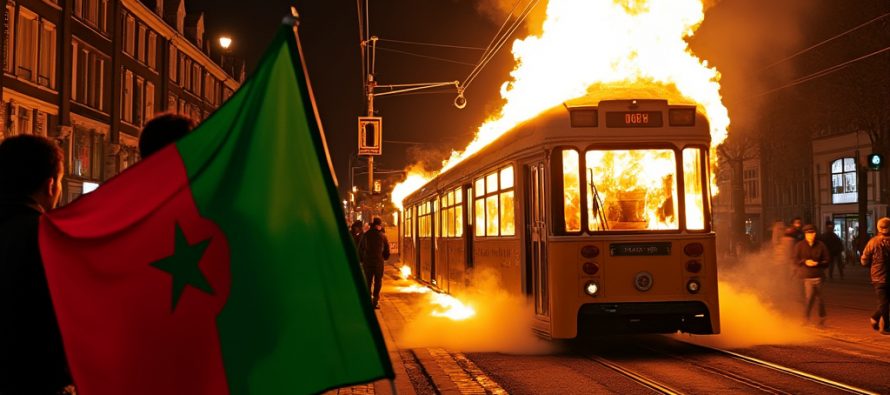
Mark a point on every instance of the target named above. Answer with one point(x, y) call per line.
point(374, 251)
point(795, 232)
point(812, 258)
point(32, 360)
point(835, 249)
point(876, 254)
point(356, 231)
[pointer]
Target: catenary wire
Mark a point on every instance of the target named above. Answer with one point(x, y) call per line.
point(431, 44)
point(823, 42)
point(424, 56)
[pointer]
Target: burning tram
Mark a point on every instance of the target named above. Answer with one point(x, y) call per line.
point(598, 211)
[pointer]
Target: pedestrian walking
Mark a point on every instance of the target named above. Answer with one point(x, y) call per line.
point(812, 258)
point(374, 251)
point(356, 230)
point(876, 254)
point(835, 249)
point(32, 360)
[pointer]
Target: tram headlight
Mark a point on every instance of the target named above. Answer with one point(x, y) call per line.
point(591, 288)
point(693, 286)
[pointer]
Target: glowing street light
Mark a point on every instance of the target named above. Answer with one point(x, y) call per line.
point(225, 42)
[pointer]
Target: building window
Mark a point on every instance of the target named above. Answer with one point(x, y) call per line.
point(26, 44)
point(138, 100)
point(174, 62)
point(130, 35)
point(495, 204)
point(152, 50)
point(149, 100)
point(9, 36)
point(127, 96)
point(93, 12)
point(88, 76)
point(46, 75)
point(843, 181)
point(750, 179)
point(86, 154)
point(141, 42)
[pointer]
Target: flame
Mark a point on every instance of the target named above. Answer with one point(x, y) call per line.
point(452, 307)
point(601, 44)
point(405, 272)
point(414, 289)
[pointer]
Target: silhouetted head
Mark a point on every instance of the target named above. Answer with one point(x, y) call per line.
point(162, 130)
point(31, 166)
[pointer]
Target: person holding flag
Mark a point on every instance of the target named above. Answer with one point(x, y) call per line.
point(219, 264)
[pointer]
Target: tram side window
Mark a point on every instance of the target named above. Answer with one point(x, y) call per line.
point(423, 216)
point(631, 190)
point(571, 190)
point(452, 213)
point(494, 204)
point(407, 223)
point(693, 181)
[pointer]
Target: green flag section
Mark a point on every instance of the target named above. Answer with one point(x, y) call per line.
point(221, 264)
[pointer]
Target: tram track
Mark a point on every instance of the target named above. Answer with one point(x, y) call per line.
point(823, 381)
point(672, 366)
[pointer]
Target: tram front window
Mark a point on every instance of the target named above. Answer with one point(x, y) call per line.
point(631, 190)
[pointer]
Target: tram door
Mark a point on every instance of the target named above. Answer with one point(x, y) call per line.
point(537, 238)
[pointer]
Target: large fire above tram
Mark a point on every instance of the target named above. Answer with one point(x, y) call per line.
point(641, 50)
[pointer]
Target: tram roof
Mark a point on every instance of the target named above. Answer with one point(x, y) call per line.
point(551, 128)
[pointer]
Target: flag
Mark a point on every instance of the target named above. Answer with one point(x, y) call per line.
point(221, 264)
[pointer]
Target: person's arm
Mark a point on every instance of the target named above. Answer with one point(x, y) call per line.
point(867, 252)
point(385, 248)
point(824, 256)
point(800, 254)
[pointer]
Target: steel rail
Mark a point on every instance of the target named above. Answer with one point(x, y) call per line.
point(722, 372)
point(791, 371)
point(640, 379)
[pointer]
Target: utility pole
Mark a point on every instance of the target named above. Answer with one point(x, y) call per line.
point(371, 85)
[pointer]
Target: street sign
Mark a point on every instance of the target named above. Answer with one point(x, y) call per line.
point(370, 135)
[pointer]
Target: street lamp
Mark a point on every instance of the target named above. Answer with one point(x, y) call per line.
point(224, 42)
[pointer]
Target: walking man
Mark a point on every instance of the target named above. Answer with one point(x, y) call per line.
point(812, 258)
point(32, 360)
point(373, 251)
point(835, 248)
point(876, 254)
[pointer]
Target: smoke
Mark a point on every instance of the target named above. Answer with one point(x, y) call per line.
point(745, 40)
point(761, 302)
point(502, 322)
point(498, 10)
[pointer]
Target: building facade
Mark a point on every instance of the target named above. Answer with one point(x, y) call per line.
point(89, 73)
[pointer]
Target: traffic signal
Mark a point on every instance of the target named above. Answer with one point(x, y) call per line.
point(377, 186)
point(875, 161)
point(370, 135)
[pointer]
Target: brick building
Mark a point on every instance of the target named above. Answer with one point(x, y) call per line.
point(89, 73)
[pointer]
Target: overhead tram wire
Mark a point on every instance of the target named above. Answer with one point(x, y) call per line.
point(826, 41)
point(495, 37)
point(824, 72)
point(431, 44)
point(423, 56)
point(501, 41)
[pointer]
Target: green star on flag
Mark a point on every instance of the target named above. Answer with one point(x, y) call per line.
point(183, 266)
point(251, 197)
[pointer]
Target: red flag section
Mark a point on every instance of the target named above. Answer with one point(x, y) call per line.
point(139, 269)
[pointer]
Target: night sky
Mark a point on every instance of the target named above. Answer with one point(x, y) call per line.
point(739, 37)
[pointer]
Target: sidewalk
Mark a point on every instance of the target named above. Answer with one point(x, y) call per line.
point(423, 371)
